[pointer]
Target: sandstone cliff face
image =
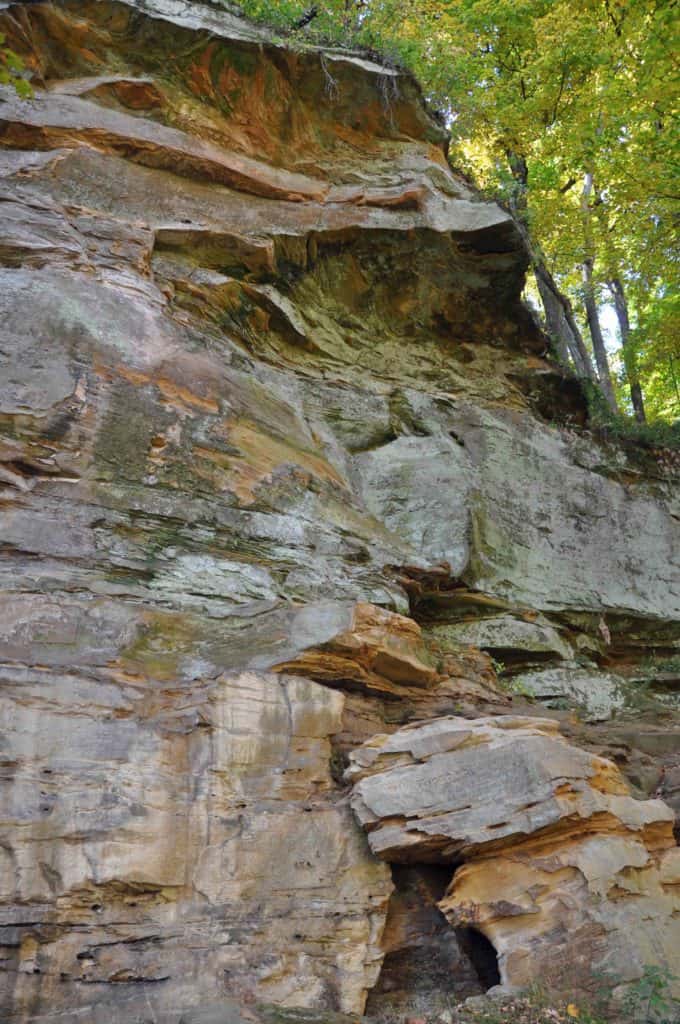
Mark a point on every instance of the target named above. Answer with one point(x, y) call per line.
point(283, 466)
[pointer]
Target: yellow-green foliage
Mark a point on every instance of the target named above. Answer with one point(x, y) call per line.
point(11, 66)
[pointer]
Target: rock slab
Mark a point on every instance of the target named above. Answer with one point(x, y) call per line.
point(564, 872)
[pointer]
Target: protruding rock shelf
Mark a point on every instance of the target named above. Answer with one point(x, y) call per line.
point(562, 871)
point(285, 466)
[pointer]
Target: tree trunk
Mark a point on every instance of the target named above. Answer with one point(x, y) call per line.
point(627, 350)
point(597, 339)
point(589, 298)
point(555, 324)
point(671, 364)
point(560, 318)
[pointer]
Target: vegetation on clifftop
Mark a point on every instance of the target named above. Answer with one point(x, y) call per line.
point(564, 111)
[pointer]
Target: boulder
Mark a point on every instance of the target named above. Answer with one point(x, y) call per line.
point(562, 870)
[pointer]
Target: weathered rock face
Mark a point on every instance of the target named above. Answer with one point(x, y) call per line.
point(567, 875)
point(173, 838)
point(276, 476)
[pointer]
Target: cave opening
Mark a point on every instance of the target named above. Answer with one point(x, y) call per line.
point(482, 956)
point(428, 965)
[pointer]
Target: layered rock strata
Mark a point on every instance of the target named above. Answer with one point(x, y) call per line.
point(284, 464)
point(565, 874)
point(190, 843)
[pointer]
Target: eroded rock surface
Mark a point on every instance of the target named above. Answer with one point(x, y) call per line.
point(283, 465)
point(562, 870)
point(172, 838)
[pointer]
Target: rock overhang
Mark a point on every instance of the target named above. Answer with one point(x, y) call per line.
point(260, 413)
point(545, 843)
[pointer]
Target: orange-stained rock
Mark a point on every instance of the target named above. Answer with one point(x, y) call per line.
point(564, 872)
point(269, 394)
point(390, 674)
point(381, 652)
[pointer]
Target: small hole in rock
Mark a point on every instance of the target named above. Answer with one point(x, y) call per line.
point(482, 956)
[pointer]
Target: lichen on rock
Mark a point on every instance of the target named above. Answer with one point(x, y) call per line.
point(277, 484)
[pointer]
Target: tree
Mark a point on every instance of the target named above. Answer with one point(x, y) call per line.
point(589, 297)
point(629, 354)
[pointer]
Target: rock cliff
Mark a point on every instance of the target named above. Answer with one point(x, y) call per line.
point(289, 481)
